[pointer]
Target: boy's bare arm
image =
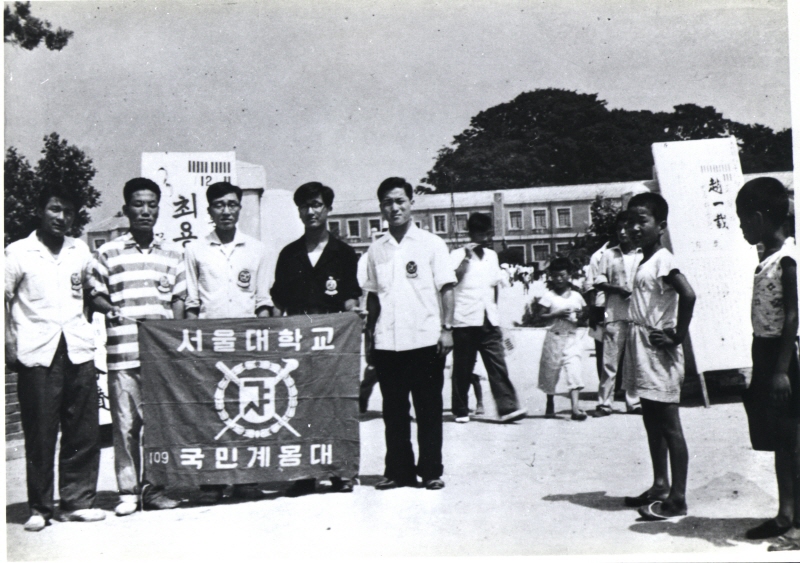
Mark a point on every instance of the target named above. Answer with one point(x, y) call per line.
point(686, 300)
point(781, 388)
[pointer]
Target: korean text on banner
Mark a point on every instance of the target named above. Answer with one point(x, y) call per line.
point(231, 401)
point(700, 180)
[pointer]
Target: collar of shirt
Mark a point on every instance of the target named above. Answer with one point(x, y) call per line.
point(238, 238)
point(33, 244)
point(130, 242)
point(413, 233)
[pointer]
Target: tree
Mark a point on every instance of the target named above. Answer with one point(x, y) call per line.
point(553, 137)
point(63, 166)
point(23, 29)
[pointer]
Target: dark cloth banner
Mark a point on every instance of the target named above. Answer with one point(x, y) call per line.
point(231, 401)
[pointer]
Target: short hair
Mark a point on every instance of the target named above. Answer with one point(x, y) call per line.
point(395, 182)
point(654, 202)
point(310, 190)
point(560, 264)
point(60, 193)
point(138, 184)
point(622, 217)
point(219, 189)
point(765, 195)
point(479, 222)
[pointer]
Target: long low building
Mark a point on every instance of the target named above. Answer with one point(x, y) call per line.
point(530, 223)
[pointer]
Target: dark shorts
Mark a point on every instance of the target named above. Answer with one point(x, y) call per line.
point(771, 428)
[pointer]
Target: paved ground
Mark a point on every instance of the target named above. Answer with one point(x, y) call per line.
point(537, 487)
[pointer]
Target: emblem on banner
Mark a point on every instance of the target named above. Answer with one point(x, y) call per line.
point(75, 280)
point(257, 398)
point(244, 279)
point(330, 286)
point(164, 285)
point(411, 269)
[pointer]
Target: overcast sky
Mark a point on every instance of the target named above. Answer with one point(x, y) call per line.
point(350, 92)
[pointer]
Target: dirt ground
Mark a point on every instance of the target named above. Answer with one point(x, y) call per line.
point(536, 487)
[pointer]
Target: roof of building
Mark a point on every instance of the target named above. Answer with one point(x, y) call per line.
point(110, 224)
point(520, 196)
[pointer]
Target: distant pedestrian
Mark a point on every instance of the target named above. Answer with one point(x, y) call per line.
point(662, 303)
point(476, 323)
point(614, 278)
point(53, 344)
point(562, 351)
point(772, 401)
point(410, 321)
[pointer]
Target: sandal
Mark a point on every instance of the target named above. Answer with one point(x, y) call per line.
point(579, 416)
point(645, 499)
point(766, 530)
point(784, 543)
point(653, 513)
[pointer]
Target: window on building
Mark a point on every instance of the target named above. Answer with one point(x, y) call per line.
point(563, 247)
point(515, 220)
point(541, 252)
point(98, 242)
point(461, 222)
point(540, 218)
point(374, 225)
point(440, 223)
point(354, 228)
point(333, 227)
point(564, 217)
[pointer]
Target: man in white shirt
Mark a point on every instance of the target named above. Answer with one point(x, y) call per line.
point(476, 321)
point(410, 325)
point(52, 342)
point(228, 275)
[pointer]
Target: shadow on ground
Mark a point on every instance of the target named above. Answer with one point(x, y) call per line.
point(598, 500)
point(721, 532)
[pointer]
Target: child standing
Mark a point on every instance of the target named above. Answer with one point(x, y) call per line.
point(561, 352)
point(772, 401)
point(661, 309)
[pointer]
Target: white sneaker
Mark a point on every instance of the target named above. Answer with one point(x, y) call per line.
point(126, 508)
point(462, 419)
point(84, 515)
point(35, 523)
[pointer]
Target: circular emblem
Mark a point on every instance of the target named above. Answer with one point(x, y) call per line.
point(244, 279)
point(75, 281)
point(411, 269)
point(258, 416)
point(163, 285)
point(330, 286)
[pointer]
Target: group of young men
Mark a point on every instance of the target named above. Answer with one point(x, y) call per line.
point(420, 301)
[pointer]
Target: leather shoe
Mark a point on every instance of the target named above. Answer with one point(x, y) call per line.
point(340, 485)
point(387, 484)
point(161, 502)
point(434, 484)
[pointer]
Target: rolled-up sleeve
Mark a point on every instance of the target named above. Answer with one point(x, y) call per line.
point(371, 284)
point(264, 280)
point(192, 278)
point(179, 290)
point(443, 272)
point(98, 275)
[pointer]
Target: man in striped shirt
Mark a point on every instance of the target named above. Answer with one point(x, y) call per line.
point(136, 276)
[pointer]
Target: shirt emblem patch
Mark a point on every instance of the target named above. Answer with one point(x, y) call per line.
point(330, 286)
point(75, 280)
point(244, 279)
point(163, 285)
point(411, 269)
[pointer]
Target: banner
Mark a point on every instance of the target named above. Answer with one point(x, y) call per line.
point(700, 180)
point(231, 401)
point(184, 178)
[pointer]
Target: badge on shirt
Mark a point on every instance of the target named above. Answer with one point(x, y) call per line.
point(75, 280)
point(163, 285)
point(244, 279)
point(330, 286)
point(411, 269)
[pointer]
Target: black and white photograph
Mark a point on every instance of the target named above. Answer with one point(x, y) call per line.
point(361, 279)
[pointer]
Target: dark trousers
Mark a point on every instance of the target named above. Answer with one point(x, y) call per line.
point(65, 394)
point(488, 340)
point(419, 373)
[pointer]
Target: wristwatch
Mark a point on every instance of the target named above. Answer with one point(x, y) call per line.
point(447, 327)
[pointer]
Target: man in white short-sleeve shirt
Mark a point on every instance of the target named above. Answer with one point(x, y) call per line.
point(50, 338)
point(410, 323)
point(476, 321)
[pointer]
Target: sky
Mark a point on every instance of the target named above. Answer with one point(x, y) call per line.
point(350, 92)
